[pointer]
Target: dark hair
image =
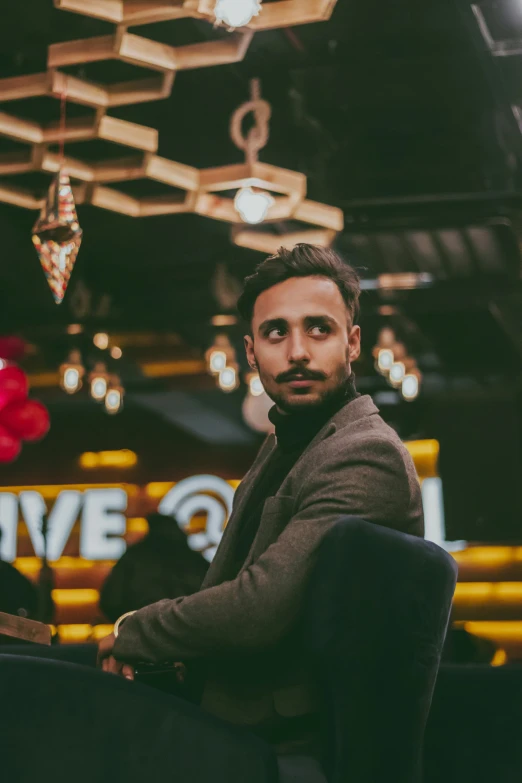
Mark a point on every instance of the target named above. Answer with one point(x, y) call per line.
point(302, 261)
point(159, 522)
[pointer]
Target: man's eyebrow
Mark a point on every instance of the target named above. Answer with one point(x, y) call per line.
point(272, 323)
point(323, 319)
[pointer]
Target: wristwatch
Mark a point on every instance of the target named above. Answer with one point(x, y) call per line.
point(119, 621)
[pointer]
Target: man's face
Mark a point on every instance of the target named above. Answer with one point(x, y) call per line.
point(302, 342)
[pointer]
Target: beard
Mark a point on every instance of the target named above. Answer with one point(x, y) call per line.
point(334, 394)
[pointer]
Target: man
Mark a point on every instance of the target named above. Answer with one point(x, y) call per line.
point(332, 456)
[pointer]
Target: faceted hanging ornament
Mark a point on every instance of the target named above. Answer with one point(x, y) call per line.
point(57, 235)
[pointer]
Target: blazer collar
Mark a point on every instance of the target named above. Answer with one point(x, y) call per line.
point(357, 409)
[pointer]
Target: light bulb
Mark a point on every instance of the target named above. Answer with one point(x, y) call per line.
point(256, 387)
point(228, 379)
point(101, 341)
point(71, 380)
point(218, 361)
point(236, 13)
point(385, 360)
point(253, 207)
point(397, 373)
point(116, 352)
point(410, 387)
point(98, 387)
point(113, 401)
point(72, 372)
point(2, 364)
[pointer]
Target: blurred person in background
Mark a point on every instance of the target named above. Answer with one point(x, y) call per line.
point(159, 566)
point(18, 595)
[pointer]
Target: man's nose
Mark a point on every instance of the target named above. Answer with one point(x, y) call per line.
point(298, 349)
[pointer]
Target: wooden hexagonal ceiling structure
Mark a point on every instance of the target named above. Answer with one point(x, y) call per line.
point(131, 13)
point(193, 190)
point(142, 51)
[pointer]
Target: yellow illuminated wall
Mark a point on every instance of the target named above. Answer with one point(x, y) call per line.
point(488, 599)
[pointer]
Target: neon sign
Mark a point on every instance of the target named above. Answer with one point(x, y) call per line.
point(101, 511)
point(103, 521)
point(188, 497)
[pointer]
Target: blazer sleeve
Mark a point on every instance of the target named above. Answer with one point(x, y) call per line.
point(257, 608)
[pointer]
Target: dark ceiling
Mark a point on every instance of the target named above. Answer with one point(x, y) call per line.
point(395, 110)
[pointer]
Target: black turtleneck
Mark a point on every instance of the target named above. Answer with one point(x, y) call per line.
point(294, 431)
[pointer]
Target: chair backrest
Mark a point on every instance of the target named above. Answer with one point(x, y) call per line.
point(376, 618)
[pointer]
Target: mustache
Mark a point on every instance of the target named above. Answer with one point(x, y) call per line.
point(300, 375)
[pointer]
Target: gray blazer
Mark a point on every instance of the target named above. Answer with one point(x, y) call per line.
point(356, 465)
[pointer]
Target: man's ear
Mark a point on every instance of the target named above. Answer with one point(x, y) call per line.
point(249, 350)
point(354, 343)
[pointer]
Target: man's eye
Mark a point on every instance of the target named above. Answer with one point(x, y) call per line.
point(277, 331)
point(323, 329)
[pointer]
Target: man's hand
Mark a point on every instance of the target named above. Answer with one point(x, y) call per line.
point(105, 649)
point(108, 662)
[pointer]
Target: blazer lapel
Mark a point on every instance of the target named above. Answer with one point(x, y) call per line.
point(357, 409)
point(218, 567)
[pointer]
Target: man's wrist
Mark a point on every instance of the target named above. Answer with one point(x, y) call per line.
point(119, 622)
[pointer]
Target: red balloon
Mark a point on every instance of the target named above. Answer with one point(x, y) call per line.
point(11, 348)
point(26, 419)
point(10, 445)
point(13, 385)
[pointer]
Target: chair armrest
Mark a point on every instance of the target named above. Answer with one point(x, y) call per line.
point(14, 628)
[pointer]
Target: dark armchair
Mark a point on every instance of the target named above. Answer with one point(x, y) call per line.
point(375, 621)
point(377, 614)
